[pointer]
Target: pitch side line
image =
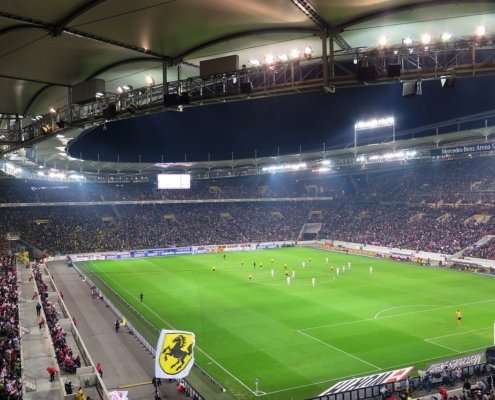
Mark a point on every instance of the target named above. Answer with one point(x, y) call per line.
point(459, 333)
point(396, 315)
point(365, 372)
point(199, 348)
point(442, 346)
point(377, 368)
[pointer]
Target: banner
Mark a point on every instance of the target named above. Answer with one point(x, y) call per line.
point(119, 395)
point(475, 148)
point(174, 356)
point(369, 381)
point(461, 362)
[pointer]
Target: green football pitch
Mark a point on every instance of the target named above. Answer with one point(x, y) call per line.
point(296, 339)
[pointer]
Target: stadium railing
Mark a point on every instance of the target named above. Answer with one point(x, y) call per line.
point(410, 385)
point(189, 388)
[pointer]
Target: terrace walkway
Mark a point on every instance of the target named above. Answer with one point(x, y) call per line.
point(126, 364)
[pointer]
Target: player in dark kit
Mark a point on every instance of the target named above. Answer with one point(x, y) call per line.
point(141, 297)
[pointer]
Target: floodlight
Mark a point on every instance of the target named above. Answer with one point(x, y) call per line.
point(294, 54)
point(283, 57)
point(269, 59)
point(382, 42)
point(120, 90)
point(407, 41)
point(374, 123)
point(127, 88)
point(425, 38)
point(52, 110)
point(99, 95)
point(308, 51)
point(254, 62)
point(284, 167)
point(446, 36)
point(321, 170)
point(149, 80)
point(480, 31)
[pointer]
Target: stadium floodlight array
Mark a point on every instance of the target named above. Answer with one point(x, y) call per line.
point(285, 167)
point(54, 174)
point(374, 123)
point(400, 155)
point(322, 170)
point(11, 169)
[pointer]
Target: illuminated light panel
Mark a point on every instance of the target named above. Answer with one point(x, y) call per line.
point(284, 167)
point(374, 123)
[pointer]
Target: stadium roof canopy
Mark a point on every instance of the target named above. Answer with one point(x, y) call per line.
point(47, 46)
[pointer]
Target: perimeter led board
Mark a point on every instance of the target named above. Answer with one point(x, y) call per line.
point(174, 181)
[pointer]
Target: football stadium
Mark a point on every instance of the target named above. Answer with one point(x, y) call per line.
point(240, 200)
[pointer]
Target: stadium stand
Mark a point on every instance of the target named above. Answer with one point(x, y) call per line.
point(10, 359)
point(447, 209)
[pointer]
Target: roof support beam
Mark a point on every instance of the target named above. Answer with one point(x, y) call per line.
point(400, 8)
point(57, 30)
point(77, 12)
point(16, 27)
point(237, 35)
point(34, 97)
point(308, 9)
point(19, 78)
point(123, 62)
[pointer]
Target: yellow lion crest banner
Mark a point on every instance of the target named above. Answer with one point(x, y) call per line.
point(174, 356)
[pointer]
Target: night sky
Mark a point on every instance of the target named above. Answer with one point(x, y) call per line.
point(286, 122)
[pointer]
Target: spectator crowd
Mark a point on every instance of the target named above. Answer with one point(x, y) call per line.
point(10, 363)
point(66, 359)
point(440, 207)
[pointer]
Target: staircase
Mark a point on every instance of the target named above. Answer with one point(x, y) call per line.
point(310, 231)
point(484, 240)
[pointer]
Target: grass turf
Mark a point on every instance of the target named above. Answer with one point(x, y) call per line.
point(299, 340)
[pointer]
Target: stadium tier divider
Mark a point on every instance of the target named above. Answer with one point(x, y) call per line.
point(146, 344)
point(86, 356)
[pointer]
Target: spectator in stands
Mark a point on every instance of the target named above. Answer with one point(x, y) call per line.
point(99, 369)
point(52, 371)
point(63, 352)
point(10, 367)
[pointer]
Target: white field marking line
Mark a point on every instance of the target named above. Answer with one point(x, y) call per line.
point(442, 346)
point(433, 341)
point(360, 374)
point(377, 315)
point(328, 380)
point(377, 368)
point(199, 348)
point(458, 333)
point(397, 315)
point(320, 382)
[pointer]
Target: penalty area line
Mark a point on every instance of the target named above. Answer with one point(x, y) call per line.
point(358, 321)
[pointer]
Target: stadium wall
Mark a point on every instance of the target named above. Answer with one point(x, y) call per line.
point(424, 257)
